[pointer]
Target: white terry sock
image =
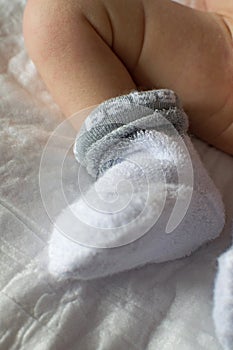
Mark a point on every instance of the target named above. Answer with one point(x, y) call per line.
point(223, 300)
point(165, 205)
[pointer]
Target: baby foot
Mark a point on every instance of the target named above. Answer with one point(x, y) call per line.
point(166, 205)
point(223, 300)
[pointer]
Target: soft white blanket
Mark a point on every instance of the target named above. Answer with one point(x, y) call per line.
point(166, 306)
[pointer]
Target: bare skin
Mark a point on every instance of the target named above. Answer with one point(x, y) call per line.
point(90, 50)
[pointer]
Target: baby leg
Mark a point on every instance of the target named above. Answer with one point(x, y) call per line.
point(89, 51)
point(84, 54)
point(75, 61)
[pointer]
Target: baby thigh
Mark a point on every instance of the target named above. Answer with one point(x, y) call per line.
point(89, 50)
point(70, 44)
point(167, 45)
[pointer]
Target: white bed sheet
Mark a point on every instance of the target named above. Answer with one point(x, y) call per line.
point(164, 306)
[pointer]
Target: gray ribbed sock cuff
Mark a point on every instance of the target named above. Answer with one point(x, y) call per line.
point(124, 117)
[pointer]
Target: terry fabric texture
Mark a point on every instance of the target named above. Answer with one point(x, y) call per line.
point(123, 140)
point(122, 118)
point(166, 306)
point(223, 299)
